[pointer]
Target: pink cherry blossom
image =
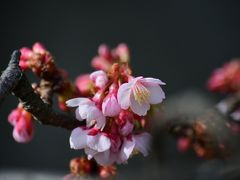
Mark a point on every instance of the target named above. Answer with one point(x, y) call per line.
point(95, 144)
point(139, 142)
point(99, 78)
point(89, 111)
point(139, 93)
point(110, 106)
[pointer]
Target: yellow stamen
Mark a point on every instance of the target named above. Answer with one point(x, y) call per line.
point(141, 93)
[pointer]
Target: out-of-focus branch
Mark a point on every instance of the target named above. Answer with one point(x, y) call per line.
point(14, 80)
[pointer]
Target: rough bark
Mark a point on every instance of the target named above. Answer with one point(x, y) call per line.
point(14, 80)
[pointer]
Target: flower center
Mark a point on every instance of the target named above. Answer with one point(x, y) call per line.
point(141, 93)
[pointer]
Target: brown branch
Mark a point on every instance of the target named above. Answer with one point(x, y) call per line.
point(14, 80)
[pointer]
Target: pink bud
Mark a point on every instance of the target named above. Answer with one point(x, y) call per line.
point(122, 51)
point(99, 78)
point(14, 116)
point(105, 52)
point(107, 172)
point(83, 84)
point(39, 48)
point(101, 63)
point(23, 65)
point(110, 106)
point(183, 144)
point(26, 54)
point(23, 131)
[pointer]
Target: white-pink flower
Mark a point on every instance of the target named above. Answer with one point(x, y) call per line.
point(99, 78)
point(139, 93)
point(139, 142)
point(89, 111)
point(105, 151)
point(95, 143)
point(110, 106)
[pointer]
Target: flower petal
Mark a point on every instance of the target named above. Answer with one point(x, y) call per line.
point(142, 143)
point(104, 158)
point(77, 114)
point(137, 108)
point(90, 152)
point(156, 94)
point(78, 101)
point(152, 81)
point(98, 142)
point(126, 150)
point(78, 138)
point(84, 111)
point(123, 95)
point(110, 106)
point(95, 115)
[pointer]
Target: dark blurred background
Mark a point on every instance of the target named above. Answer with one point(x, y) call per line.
point(180, 42)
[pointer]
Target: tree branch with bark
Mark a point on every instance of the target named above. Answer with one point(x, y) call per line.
point(13, 80)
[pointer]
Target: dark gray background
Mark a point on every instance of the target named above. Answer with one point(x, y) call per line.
point(180, 42)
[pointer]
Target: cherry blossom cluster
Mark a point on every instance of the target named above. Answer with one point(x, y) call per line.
point(23, 125)
point(37, 58)
point(114, 109)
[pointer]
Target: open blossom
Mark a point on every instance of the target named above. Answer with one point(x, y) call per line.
point(92, 140)
point(99, 78)
point(89, 111)
point(98, 146)
point(139, 93)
